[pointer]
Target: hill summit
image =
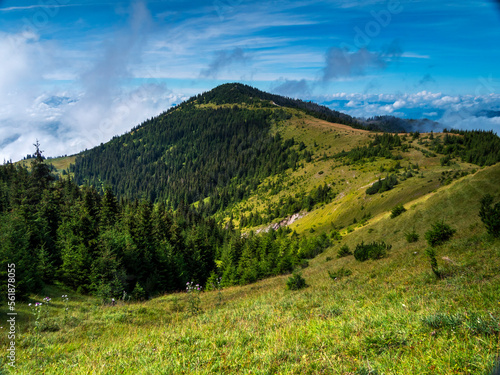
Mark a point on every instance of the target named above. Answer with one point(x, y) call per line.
point(217, 145)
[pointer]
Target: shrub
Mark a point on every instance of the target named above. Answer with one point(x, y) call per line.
point(398, 210)
point(340, 273)
point(374, 250)
point(296, 282)
point(335, 235)
point(412, 236)
point(138, 294)
point(446, 160)
point(439, 234)
point(431, 253)
point(383, 185)
point(344, 251)
point(193, 292)
point(490, 215)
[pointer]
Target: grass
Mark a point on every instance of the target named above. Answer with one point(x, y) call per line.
point(348, 181)
point(391, 315)
point(330, 327)
point(60, 163)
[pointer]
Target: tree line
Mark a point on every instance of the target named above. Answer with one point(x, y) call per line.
point(57, 232)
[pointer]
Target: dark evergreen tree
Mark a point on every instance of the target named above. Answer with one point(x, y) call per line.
point(490, 215)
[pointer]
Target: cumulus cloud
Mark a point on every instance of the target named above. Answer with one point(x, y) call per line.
point(224, 59)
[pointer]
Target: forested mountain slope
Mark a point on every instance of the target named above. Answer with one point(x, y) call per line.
point(218, 144)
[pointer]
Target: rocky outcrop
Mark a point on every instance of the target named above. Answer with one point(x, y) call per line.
point(283, 223)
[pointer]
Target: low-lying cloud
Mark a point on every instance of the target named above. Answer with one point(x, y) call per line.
point(466, 112)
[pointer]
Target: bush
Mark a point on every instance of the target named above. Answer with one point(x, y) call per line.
point(340, 273)
point(398, 210)
point(344, 251)
point(412, 236)
point(383, 185)
point(374, 250)
point(296, 282)
point(335, 235)
point(490, 215)
point(439, 234)
point(138, 294)
point(431, 253)
point(446, 160)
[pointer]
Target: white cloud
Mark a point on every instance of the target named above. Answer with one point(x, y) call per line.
point(91, 110)
point(399, 104)
point(458, 112)
point(413, 55)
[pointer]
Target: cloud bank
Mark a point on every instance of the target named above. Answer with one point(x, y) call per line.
point(466, 112)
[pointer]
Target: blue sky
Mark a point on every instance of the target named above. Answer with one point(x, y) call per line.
point(75, 73)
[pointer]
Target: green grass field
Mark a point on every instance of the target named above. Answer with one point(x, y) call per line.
point(390, 316)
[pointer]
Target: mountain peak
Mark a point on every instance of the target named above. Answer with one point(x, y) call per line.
point(238, 93)
point(232, 93)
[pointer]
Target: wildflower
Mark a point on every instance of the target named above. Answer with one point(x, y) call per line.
point(29, 304)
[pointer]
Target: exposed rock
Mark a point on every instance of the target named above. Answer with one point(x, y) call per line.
point(283, 223)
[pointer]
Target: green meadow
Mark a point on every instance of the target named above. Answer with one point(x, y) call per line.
point(386, 316)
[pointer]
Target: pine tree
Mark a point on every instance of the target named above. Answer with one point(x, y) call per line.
point(490, 215)
point(109, 209)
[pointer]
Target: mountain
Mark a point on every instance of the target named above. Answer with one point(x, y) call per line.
point(393, 238)
point(219, 144)
point(218, 147)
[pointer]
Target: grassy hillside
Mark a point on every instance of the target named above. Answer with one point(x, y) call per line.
point(60, 164)
point(390, 316)
point(350, 180)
